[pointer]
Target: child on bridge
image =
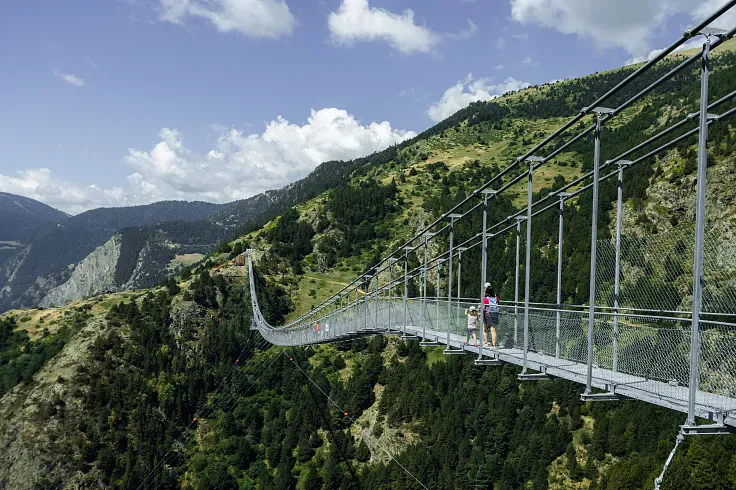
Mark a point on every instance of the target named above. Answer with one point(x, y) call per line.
point(472, 314)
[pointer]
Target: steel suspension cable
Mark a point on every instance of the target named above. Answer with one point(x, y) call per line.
point(218, 406)
point(292, 358)
point(582, 113)
point(193, 423)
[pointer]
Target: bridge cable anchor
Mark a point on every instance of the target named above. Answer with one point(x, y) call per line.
point(719, 428)
point(540, 376)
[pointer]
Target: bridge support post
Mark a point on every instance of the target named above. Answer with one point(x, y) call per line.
point(516, 281)
point(698, 278)
point(391, 261)
point(483, 271)
point(617, 286)
point(449, 349)
point(424, 291)
point(365, 302)
point(406, 292)
point(406, 287)
point(437, 294)
point(562, 196)
point(598, 111)
point(342, 318)
point(390, 298)
point(356, 311)
point(376, 298)
point(425, 342)
point(528, 258)
point(459, 283)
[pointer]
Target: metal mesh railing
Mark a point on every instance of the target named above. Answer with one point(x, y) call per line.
point(645, 353)
point(656, 271)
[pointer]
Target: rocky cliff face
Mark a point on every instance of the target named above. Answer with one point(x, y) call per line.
point(92, 275)
point(34, 420)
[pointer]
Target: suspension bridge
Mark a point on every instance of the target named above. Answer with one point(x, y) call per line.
point(682, 357)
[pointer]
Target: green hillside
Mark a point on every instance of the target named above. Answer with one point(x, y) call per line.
point(108, 394)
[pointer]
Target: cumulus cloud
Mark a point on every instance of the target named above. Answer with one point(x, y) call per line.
point(356, 20)
point(627, 24)
point(253, 18)
point(71, 79)
point(241, 165)
point(238, 165)
point(466, 91)
point(40, 184)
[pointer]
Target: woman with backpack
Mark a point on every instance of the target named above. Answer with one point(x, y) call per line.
point(491, 313)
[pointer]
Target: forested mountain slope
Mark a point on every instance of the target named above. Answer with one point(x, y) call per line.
point(21, 216)
point(48, 258)
point(108, 396)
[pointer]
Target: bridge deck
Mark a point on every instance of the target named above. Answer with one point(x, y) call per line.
point(567, 364)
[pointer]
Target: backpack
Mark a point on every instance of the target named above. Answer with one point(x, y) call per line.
point(492, 306)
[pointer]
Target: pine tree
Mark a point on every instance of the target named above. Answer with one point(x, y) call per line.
point(312, 480)
point(572, 463)
point(576, 421)
point(482, 479)
point(362, 452)
point(332, 472)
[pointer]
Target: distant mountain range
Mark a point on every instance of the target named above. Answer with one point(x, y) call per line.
point(48, 257)
point(21, 217)
point(42, 246)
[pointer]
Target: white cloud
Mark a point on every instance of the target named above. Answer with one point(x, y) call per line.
point(237, 166)
point(241, 165)
point(71, 79)
point(498, 67)
point(695, 43)
point(254, 18)
point(40, 184)
point(466, 33)
point(703, 8)
point(356, 20)
point(627, 24)
point(527, 60)
point(466, 91)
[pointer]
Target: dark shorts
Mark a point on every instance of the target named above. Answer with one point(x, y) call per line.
point(492, 318)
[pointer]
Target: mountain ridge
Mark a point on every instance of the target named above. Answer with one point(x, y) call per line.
point(21, 216)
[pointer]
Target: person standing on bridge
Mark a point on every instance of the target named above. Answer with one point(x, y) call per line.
point(491, 313)
point(472, 315)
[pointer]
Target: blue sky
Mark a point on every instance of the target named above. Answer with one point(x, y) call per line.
point(132, 101)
